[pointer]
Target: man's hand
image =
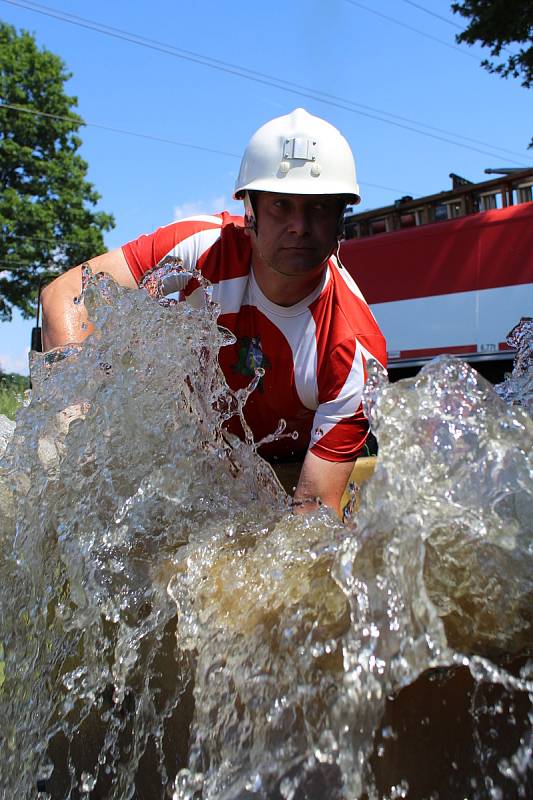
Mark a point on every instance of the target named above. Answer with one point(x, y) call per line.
point(64, 321)
point(322, 479)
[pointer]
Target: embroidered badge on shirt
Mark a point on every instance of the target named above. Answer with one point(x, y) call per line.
point(251, 357)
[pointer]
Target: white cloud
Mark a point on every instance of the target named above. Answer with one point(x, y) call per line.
point(15, 362)
point(213, 206)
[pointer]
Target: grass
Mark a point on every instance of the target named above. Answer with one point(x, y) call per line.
point(12, 388)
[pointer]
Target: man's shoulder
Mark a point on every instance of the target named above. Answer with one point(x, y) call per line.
point(192, 239)
point(179, 230)
point(216, 244)
point(347, 314)
point(344, 284)
point(229, 224)
point(220, 218)
point(342, 298)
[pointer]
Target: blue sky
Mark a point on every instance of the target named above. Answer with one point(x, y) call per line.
point(355, 51)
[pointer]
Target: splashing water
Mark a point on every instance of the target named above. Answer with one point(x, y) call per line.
point(171, 629)
point(518, 387)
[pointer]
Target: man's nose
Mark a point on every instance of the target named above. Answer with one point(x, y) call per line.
point(299, 222)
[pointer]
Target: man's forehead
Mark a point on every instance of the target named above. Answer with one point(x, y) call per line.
point(301, 198)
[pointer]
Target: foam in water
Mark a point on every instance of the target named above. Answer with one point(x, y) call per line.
point(171, 628)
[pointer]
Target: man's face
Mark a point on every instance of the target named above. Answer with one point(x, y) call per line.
point(295, 233)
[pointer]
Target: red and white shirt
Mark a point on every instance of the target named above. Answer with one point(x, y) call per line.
point(313, 353)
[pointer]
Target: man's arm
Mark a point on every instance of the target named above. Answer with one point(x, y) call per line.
point(324, 479)
point(63, 320)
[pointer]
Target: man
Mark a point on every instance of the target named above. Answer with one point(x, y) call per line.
point(295, 311)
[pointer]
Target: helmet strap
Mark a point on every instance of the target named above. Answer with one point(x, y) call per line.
point(340, 233)
point(340, 224)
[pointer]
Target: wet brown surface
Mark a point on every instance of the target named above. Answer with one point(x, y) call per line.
point(441, 737)
point(445, 736)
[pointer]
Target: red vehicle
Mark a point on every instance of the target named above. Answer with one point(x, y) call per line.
point(449, 287)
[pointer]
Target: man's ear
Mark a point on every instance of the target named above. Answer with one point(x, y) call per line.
point(250, 221)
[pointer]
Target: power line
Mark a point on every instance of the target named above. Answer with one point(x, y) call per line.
point(242, 72)
point(411, 28)
point(438, 16)
point(434, 14)
point(379, 186)
point(76, 121)
point(258, 77)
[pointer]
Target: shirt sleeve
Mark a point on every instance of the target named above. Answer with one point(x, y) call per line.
point(340, 427)
point(187, 239)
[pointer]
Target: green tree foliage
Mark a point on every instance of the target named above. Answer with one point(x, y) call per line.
point(47, 216)
point(12, 388)
point(496, 24)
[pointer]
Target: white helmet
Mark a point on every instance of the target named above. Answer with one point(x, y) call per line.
point(298, 154)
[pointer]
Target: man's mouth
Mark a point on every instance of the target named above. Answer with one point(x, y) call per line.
point(296, 247)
